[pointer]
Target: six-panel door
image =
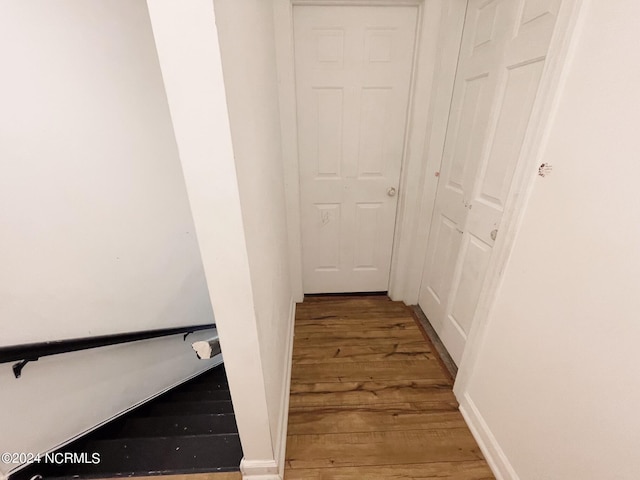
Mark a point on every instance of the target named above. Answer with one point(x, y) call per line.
point(353, 72)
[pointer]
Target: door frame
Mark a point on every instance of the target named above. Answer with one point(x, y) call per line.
point(429, 99)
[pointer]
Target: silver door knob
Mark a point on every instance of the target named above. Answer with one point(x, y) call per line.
point(391, 192)
point(494, 234)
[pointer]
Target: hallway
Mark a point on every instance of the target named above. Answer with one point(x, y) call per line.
point(370, 398)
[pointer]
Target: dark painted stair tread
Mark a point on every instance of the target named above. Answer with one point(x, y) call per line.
point(199, 395)
point(214, 384)
point(203, 424)
point(165, 454)
point(208, 380)
point(186, 408)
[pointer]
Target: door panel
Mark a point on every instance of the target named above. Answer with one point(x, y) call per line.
point(353, 71)
point(517, 102)
point(327, 232)
point(504, 46)
point(447, 237)
point(475, 255)
point(327, 126)
point(368, 216)
point(373, 114)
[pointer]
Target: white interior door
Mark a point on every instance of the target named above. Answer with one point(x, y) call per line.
point(504, 45)
point(353, 72)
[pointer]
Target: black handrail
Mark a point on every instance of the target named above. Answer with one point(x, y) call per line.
point(31, 352)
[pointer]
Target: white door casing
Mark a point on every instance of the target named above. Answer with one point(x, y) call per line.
point(502, 56)
point(353, 74)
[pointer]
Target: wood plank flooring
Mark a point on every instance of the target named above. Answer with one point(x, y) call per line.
point(370, 399)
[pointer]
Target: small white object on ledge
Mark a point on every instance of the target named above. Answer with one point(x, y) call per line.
point(207, 348)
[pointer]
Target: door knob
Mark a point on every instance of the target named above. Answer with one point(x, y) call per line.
point(391, 192)
point(494, 234)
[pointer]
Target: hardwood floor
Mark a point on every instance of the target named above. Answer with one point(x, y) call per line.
point(370, 399)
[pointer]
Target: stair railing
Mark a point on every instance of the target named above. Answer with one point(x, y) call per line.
point(31, 352)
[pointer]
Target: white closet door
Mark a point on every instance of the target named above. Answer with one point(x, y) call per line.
point(504, 46)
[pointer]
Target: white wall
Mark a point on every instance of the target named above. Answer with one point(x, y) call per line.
point(556, 378)
point(247, 44)
point(96, 233)
point(239, 215)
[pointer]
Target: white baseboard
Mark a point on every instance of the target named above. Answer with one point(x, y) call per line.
point(496, 458)
point(259, 470)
